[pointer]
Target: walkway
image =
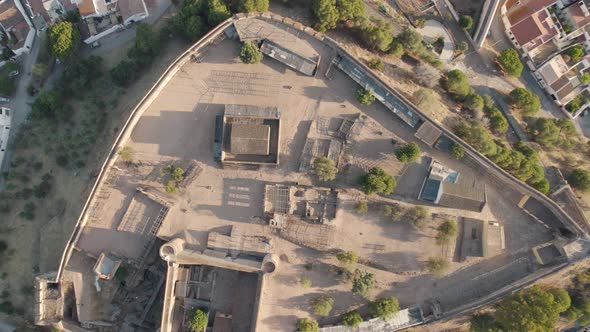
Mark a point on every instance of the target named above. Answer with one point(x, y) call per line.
point(433, 30)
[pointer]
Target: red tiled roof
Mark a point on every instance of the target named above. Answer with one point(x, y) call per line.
point(526, 31)
point(9, 14)
point(86, 8)
point(577, 15)
point(520, 10)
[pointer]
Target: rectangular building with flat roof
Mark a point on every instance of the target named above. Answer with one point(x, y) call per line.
point(288, 58)
point(248, 135)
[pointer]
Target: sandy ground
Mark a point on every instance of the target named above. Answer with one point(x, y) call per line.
point(179, 126)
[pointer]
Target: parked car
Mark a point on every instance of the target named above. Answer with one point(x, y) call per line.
point(95, 44)
point(13, 73)
point(4, 99)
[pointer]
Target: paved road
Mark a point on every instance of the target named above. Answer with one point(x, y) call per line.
point(20, 103)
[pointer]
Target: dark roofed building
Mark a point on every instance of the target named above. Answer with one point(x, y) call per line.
point(448, 188)
point(249, 135)
point(288, 57)
point(428, 133)
point(250, 138)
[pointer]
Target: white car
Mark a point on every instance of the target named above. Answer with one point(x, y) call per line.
point(4, 100)
point(13, 73)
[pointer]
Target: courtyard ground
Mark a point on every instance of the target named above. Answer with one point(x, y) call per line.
point(178, 126)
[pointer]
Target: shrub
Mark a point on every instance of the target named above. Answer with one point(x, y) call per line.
point(580, 179)
point(305, 282)
point(466, 22)
point(427, 75)
point(197, 320)
point(384, 307)
point(457, 151)
point(352, 319)
point(347, 259)
point(249, 53)
point(350, 9)
point(322, 305)
point(307, 325)
point(361, 206)
point(585, 78)
point(446, 231)
point(417, 216)
point(365, 97)
point(576, 52)
point(510, 62)
point(525, 100)
point(363, 282)
point(28, 211)
point(437, 266)
point(171, 187)
point(498, 123)
point(462, 46)
point(126, 154)
point(377, 64)
point(325, 169)
point(396, 48)
point(377, 181)
point(393, 211)
point(408, 153)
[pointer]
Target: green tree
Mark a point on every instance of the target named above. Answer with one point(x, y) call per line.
point(498, 123)
point(466, 22)
point(249, 6)
point(47, 105)
point(325, 169)
point(457, 84)
point(249, 53)
point(525, 100)
point(376, 181)
point(446, 232)
point(484, 323)
point(350, 9)
point(365, 97)
point(322, 305)
point(362, 282)
point(384, 307)
point(408, 153)
point(64, 38)
point(532, 309)
point(146, 47)
point(197, 320)
point(510, 62)
point(188, 21)
point(352, 319)
point(411, 40)
point(377, 35)
point(457, 151)
point(576, 52)
point(580, 179)
point(417, 216)
point(585, 78)
point(326, 14)
point(361, 206)
point(437, 266)
point(124, 73)
point(217, 12)
point(307, 325)
point(396, 48)
point(347, 259)
point(473, 102)
point(544, 131)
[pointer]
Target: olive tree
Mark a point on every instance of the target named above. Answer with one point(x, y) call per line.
point(249, 53)
point(325, 169)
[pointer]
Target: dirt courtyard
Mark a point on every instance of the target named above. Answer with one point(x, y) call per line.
point(179, 126)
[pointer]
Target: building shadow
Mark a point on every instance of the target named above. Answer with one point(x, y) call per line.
point(242, 201)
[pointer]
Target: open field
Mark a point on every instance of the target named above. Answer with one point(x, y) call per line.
point(179, 126)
